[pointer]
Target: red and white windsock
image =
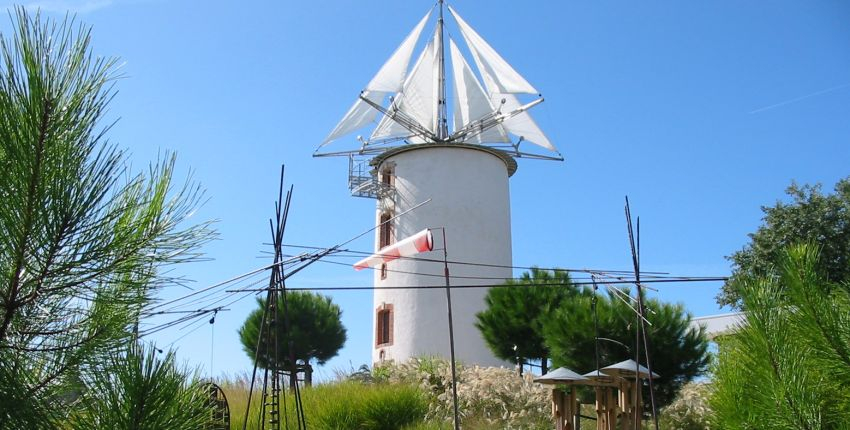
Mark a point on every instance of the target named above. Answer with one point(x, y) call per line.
point(419, 242)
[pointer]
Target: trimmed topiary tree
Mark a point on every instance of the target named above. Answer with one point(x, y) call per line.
point(316, 332)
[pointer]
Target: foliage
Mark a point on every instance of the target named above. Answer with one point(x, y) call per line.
point(362, 374)
point(488, 397)
point(515, 314)
point(788, 366)
point(679, 352)
point(342, 405)
point(689, 411)
point(811, 216)
point(82, 239)
point(138, 390)
point(316, 330)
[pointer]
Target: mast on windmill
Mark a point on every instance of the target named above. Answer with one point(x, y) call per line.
point(461, 158)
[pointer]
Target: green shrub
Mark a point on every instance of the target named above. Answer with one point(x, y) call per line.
point(394, 407)
point(431, 425)
point(338, 406)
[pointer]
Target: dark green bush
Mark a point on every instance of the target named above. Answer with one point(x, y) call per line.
point(366, 407)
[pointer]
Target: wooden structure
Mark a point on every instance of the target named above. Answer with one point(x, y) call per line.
point(607, 406)
point(565, 406)
point(628, 375)
point(619, 405)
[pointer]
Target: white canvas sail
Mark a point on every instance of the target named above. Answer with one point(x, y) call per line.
point(485, 109)
point(416, 99)
point(357, 117)
point(389, 79)
point(470, 100)
point(499, 76)
point(391, 76)
point(522, 125)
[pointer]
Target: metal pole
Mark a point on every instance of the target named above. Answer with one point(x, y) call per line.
point(641, 310)
point(595, 323)
point(451, 330)
point(442, 126)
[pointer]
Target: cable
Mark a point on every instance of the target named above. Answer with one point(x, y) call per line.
point(228, 281)
point(466, 263)
point(492, 278)
point(430, 287)
point(198, 326)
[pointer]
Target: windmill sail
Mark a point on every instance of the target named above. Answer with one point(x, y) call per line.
point(388, 80)
point(502, 77)
point(485, 106)
point(360, 115)
point(392, 73)
point(416, 99)
point(523, 125)
point(470, 101)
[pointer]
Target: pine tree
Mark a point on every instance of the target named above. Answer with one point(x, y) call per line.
point(82, 238)
point(513, 321)
point(678, 351)
point(788, 365)
point(315, 332)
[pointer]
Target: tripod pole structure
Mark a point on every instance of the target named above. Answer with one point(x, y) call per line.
point(641, 327)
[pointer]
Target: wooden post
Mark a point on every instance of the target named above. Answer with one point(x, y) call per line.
point(613, 409)
point(570, 410)
point(558, 408)
point(637, 402)
point(606, 408)
point(625, 402)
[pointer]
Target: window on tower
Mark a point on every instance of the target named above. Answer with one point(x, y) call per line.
point(386, 183)
point(387, 177)
point(385, 235)
point(384, 325)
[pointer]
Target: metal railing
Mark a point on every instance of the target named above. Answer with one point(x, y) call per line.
point(363, 180)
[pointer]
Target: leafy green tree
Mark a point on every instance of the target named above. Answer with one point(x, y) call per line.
point(513, 320)
point(788, 365)
point(679, 352)
point(82, 238)
point(135, 389)
point(811, 216)
point(315, 332)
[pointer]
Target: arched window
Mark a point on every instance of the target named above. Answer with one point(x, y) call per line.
point(384, 325)
point(386, 237)
point(388, 177)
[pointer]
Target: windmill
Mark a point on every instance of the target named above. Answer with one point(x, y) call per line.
point(413, 155)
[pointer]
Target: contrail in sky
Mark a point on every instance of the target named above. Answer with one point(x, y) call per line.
point(787, 102)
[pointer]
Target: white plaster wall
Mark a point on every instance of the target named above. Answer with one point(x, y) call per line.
point(470, 197)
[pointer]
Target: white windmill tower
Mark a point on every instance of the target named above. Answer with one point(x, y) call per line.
point(412, 156)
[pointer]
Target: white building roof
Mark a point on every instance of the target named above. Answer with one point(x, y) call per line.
point(716, 325)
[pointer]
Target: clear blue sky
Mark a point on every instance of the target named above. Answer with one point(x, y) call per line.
point(700, 111)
